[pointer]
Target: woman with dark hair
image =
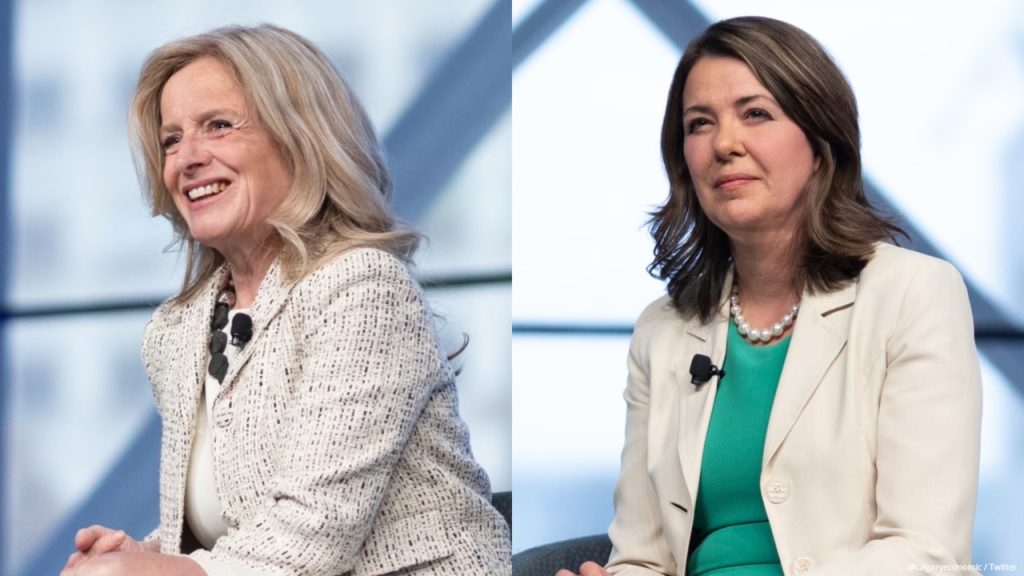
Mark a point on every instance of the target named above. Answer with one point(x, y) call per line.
point(310, 420)
point(807, 396)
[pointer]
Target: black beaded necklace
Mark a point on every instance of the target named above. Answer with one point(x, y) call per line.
point(241, 331)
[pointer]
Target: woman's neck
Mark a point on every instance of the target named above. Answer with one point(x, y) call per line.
point(766, 272)
point(248, 268)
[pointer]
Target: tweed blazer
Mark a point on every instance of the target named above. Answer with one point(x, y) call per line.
point(337, 444)
point(870, 463)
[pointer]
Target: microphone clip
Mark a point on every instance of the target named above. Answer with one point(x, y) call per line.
point(241, 330)
point(702, 370)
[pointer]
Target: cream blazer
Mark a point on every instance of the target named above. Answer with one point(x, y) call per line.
point(870, 462)
point(338, 448)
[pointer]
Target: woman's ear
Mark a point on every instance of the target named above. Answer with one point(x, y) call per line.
point(820, 150)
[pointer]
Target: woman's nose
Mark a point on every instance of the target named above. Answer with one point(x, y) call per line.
point(192, 154)
point(728, 141)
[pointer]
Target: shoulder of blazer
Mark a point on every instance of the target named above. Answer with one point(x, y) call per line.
point(352, 267)
point(661, 317)
point(892, 268)
point(657, 312)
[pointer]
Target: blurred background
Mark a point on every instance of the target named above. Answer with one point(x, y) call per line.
point(941, 93)
point(82, 262)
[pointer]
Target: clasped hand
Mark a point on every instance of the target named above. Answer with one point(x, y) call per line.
point(102, 551)
point(586, 569)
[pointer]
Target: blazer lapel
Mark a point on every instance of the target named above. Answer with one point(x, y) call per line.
point(195, 320)
point(819, 336)
point(188, 356)
point(270, 298)
point(695, 408)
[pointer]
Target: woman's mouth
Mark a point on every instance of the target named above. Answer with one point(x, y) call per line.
point(205, 190)
point(733, 181)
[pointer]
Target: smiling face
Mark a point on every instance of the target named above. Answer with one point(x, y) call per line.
point(221, 168)
point(749, 162)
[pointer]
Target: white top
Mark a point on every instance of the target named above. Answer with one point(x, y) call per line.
point(203, 509)
point(202, 506)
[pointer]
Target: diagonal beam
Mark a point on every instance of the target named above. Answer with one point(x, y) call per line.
point(678, 21)
point(539, 26)
point(681, 21)
point(127, 499)
point(1006, 354)
point(462, 101)
point(466, 96)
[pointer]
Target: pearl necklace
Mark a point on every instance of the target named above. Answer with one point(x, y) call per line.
point(751, 334)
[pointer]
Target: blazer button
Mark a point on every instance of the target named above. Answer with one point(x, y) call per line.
point(229, 519)
point(802, 564)
point(224, 418)
point(777, 490)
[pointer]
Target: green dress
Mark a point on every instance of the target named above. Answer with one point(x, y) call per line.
point(731, 535)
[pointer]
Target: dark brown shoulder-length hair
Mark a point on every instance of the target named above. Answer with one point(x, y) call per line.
point(840, 226)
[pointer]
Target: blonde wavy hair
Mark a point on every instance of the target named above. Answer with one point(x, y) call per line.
point(341, 189)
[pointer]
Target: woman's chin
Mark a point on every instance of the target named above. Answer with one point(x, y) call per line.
point(738, 224)
point(207, 237)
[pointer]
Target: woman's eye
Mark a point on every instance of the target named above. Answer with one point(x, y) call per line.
point(696, 124)
point(219, 124)
point(758, 114)
point(169, 142)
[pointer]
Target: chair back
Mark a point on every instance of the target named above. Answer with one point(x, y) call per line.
point(503, 502)
point(550, 558)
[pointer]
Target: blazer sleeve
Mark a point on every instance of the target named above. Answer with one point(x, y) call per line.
point(369, 364)
point(928, 435)
point(639, 547)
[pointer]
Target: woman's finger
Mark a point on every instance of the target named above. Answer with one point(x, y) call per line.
point(562, 572)
point(593, 569)
point(73, 560)
point(86, 537)
point(108, 542)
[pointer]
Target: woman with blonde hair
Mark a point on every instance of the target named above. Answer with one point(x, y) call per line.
point(310, 421)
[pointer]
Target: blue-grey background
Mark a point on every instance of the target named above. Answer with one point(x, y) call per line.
point(81, 260)
point(941, 89)
point(941, 93)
